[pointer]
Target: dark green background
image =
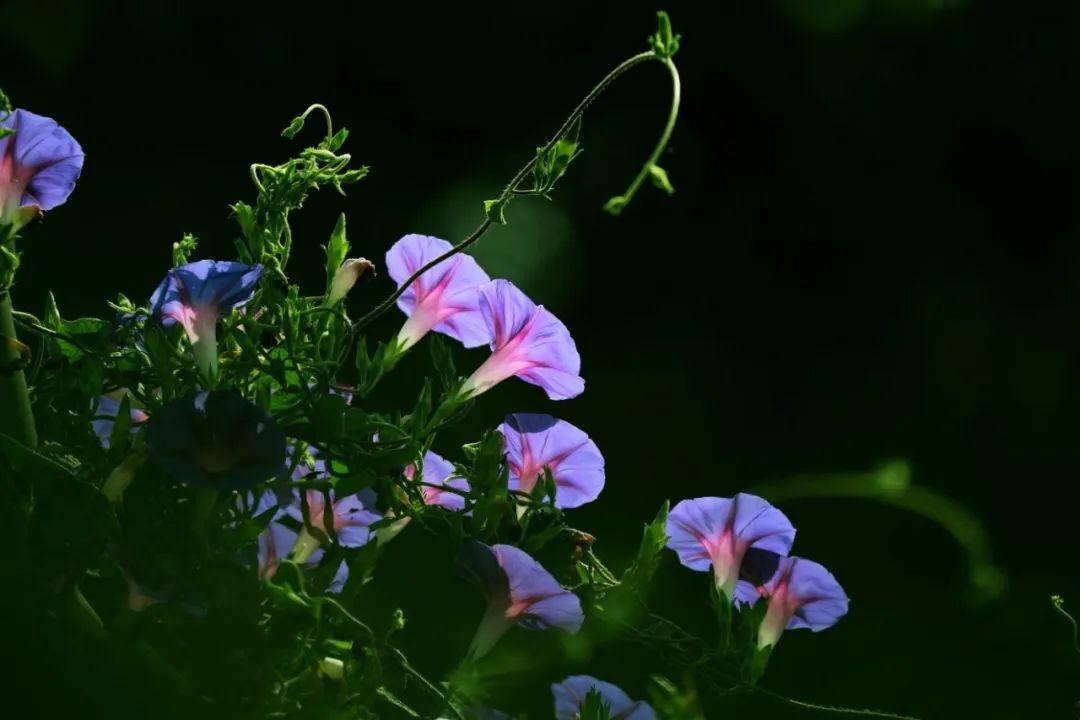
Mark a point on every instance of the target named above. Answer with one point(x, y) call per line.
point(873, 253)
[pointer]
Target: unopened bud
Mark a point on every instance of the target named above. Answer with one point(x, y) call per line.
point(350, 272)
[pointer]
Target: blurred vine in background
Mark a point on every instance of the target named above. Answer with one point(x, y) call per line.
point(890, 484)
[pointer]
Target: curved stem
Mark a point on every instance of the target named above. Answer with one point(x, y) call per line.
point(831, 709)
point(616, 204)
point(511, 187)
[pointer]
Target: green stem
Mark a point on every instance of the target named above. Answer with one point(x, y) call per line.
point(617, 203)
point(511, 187)
point(16, 416)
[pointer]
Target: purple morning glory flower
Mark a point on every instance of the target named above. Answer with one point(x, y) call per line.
point(527, 341)
point(802, 594)
point(533, 442)
point(351, 517)
point(217, 439)
point(438, 471)
point(444, 299)
point(277, 541)
point(39, 165)
point(571, 692)
point(718, 532)
point(105, 419)
point(520, 591)
point(196, 295)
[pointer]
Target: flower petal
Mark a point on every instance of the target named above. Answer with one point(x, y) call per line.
point(758, 524)
point(46, 157)
point(693, 521)
point(570, 694)
point(534, 441)
point(447, 292)
point(540, 599)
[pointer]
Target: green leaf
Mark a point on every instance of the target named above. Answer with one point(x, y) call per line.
point(52, 313)
point(336, 251)
point(495, 210)
point(660, 179)
point(184, 249)
point(442, 359)
point(594, 707)
point(653, 540)
point(664, 42)
point(120, 437)
point(334, 143)
point(487, 465)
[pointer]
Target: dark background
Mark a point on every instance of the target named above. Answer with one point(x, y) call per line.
point(873, 253)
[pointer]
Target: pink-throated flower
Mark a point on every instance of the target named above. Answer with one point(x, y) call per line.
point(351, 518)
point(39, 165)
point(217, 439)
point(438, 474)
point(519, 591)
point(718, 532)
point(105, 419)
point(277, 541)
point(196, 295)
point(526, 341)
point(444, 299)
point(570, 694)
point(533, 442)
point(801, 594)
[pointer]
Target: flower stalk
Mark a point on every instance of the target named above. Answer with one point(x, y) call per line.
point(16, 415)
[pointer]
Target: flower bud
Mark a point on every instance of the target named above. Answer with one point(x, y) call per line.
point(350, 272)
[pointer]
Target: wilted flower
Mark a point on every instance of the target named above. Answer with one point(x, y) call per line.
point(350, 272)
point(39, 165)
point(444, 299)
point(439, 472)
point(802, 594)
point(570, 694)
point(217, 439)
point(196, 295)
point(717, 532)
point(520, 591)
point(533, 442)
point(526, 341)
point(105, 418)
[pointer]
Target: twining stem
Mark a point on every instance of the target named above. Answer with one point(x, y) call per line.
point(16, 416)
point(618, 203)
point(512, 186)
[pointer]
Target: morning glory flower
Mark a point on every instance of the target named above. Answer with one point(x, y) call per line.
point(351, 518)
point(718, 532)
point(105, 419)
point(196, 295)
point(440, 472)
point(39, 165)
point(217, 439)
point(277, 541)
point(520, 591)
point(444, 299)
point(526, 341)
point(802, 594)
point(351, 271)
point(533, 442)
point(571, 692)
